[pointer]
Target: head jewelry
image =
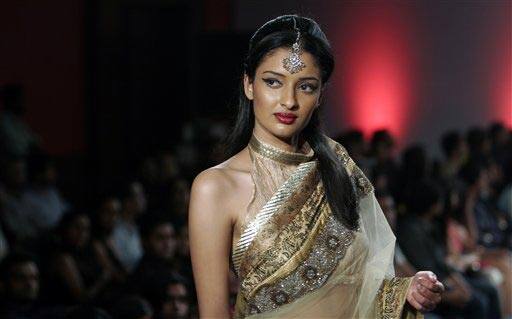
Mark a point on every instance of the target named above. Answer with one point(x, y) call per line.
point(293, 63)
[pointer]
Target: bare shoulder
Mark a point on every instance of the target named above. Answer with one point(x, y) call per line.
point(211, 182)
point(219, 179)
point(219, 186)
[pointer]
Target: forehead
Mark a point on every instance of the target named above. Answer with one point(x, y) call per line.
point(273, 61)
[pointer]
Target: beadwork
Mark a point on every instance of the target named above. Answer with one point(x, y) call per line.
point(313, 272)
point(293, 63)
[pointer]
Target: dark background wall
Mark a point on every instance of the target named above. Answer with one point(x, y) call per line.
point(108, 82)
point(42, 47)
point(453, 60)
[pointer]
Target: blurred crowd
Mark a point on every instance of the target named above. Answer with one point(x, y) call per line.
point(126, 254)
point(451, 215)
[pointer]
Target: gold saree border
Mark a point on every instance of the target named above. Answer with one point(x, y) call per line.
point(317, 258)
point(286, 243)
point(305, 196)
point(364, 186)
point(300, 255)
point(392, 299)
point(269, 209)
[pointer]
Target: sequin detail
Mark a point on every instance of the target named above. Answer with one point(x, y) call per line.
point(310, 273)
point(278, 155)
point(362, 183)
point(273, 205)
point(391, 297)
point(313, 271)
point(293, 63)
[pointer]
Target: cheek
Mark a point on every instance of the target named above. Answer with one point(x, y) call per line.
point(307, 106)
point(265, 97)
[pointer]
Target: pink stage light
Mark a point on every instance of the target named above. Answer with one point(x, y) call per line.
point(500, 84)
point(379, 68)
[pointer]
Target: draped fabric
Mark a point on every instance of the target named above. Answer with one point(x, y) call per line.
point(294, 259)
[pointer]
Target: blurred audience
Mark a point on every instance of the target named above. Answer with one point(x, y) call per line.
point(126, 242)
point(20, 289)
point(42, 201)
point(79, 270)
point(105, 218)
point(16, 138)
point(126, 253)
point(422, 242)
point(131, 307)
point(18, 228)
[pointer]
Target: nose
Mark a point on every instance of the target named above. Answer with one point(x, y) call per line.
point(288, 98)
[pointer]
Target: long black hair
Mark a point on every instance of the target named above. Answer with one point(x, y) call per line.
point(279, 33)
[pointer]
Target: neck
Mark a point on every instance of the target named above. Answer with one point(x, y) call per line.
point(289, 144)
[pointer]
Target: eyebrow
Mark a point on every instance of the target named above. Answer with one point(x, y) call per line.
point(302, 79)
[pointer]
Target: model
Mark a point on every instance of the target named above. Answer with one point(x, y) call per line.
point(289, 211)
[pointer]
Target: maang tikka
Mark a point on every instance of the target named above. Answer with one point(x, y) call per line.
point(293, 63)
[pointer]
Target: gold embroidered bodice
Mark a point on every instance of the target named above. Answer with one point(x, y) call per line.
point(271, 167)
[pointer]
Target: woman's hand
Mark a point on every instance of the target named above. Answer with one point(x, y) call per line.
point(425, 291)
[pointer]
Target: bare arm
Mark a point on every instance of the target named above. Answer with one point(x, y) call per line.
point(210, 227)
point(68, 270)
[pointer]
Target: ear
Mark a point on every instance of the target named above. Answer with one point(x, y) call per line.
point(320, 99)
point(248, 87)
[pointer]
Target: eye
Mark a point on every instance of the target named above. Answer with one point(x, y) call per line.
point(308, 87)
point(273, 83)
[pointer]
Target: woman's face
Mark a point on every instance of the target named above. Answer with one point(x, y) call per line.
point(283, 102)
point(78, 232)
point(109, 214)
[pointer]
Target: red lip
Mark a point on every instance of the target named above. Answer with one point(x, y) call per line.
point(286, 118)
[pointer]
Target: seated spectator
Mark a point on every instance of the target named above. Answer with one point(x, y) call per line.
point(489, 227)
point(499, 140)
point(455, 152)
point(4, 244)
point(403, 267)
point(131, 307)
point(105, 219)
point(79, 271)
point(18, 229)
point(415, 167)
point(159, 240)
point(16, 137)
point(354, 143)
point(479, 144)
point(43, 203)
point(178, 302)
point(179, 197)
point(158, 262)
point(419, 237)
point(461, 248)
point(170, 297)
point(505, 197)
point(126, 241)
point(384, 165)
point(19, 289)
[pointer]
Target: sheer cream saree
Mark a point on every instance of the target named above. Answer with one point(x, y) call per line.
point(294, 259)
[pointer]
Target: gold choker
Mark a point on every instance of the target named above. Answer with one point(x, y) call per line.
point(278, 155)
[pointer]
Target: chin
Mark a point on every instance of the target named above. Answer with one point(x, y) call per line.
point(287, 131)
